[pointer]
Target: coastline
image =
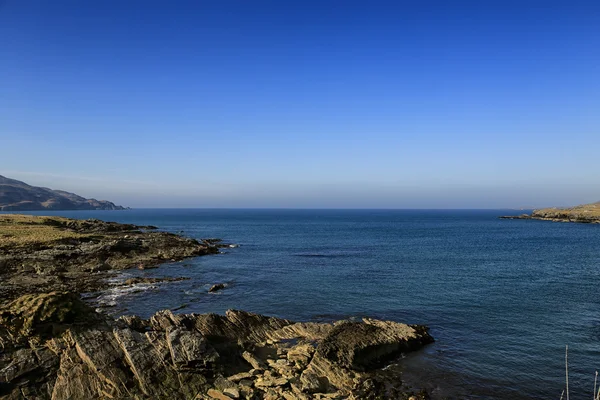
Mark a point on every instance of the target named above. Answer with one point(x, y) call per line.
point(56, 346)
point(585, 214)
point(42, 254)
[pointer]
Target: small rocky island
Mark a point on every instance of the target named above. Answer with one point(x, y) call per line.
point(587, 213)
point(55, 346)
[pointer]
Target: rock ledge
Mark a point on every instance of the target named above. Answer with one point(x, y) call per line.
point(56, 347)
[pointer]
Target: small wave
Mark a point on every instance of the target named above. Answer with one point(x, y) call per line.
point(111, 296)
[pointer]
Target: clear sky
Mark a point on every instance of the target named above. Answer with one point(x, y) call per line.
point(399, 104)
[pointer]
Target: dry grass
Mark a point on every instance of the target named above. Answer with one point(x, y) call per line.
point(18, 230)
point(585, 211)
point(592, 210)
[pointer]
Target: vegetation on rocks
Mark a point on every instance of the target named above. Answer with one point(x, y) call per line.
point(38, 254)
point(586, 213)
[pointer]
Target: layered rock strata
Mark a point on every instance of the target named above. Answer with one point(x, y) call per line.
point(53, 346)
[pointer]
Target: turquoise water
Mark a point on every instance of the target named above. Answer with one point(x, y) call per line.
point(502, 297)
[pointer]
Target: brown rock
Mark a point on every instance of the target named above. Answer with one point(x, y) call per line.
point(253, 360)
point(215, 394)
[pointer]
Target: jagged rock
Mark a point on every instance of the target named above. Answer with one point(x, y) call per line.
point(215, 394)
point(270, 382)
point(301, 354)
point(189, 349)
point(221, 383)
point(367, 345)
point(240, 376)
point(216, 287)
point(313, 383)
point(253, 360)
point(232, 392)
point(238, 326)
point(84, 356)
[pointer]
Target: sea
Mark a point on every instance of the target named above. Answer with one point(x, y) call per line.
point(502, 298)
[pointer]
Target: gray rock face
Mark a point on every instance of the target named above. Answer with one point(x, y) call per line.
point(190, 356)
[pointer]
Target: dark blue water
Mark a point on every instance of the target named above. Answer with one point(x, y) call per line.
point(502, 297)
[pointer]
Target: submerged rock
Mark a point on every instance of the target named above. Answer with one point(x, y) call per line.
point(217, 287)
point(55, 347)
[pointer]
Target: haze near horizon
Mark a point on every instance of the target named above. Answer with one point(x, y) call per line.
point(326, 104)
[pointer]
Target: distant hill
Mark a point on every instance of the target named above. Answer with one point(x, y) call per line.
point(19, 196)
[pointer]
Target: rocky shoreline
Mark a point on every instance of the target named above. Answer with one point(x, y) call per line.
point(56, 347)
point(587, 214)
point(42, 254)
point(53, 345)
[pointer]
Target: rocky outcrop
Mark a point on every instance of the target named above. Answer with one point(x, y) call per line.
point(19, 196)
point(217, 287)
point(587, 213)
point(40, 254)
point(55, 347)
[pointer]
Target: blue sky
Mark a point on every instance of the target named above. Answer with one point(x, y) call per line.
point(429, 104)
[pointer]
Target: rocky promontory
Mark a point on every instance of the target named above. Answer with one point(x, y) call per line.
point(586, 213)
point(19, 196)
point(41, 254)
point(54, 346)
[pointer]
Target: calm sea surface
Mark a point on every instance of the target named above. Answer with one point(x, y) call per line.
point(502, 297)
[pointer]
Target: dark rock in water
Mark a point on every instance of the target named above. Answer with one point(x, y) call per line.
point(522, 216)
point(190, 356)
point(142, 280)
point(217, 287)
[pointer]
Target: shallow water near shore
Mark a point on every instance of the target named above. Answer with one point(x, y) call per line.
point(502, 297)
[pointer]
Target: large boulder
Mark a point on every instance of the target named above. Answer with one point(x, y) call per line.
point(370, 344)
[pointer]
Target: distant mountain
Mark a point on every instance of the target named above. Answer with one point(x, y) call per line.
point(19, 196)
